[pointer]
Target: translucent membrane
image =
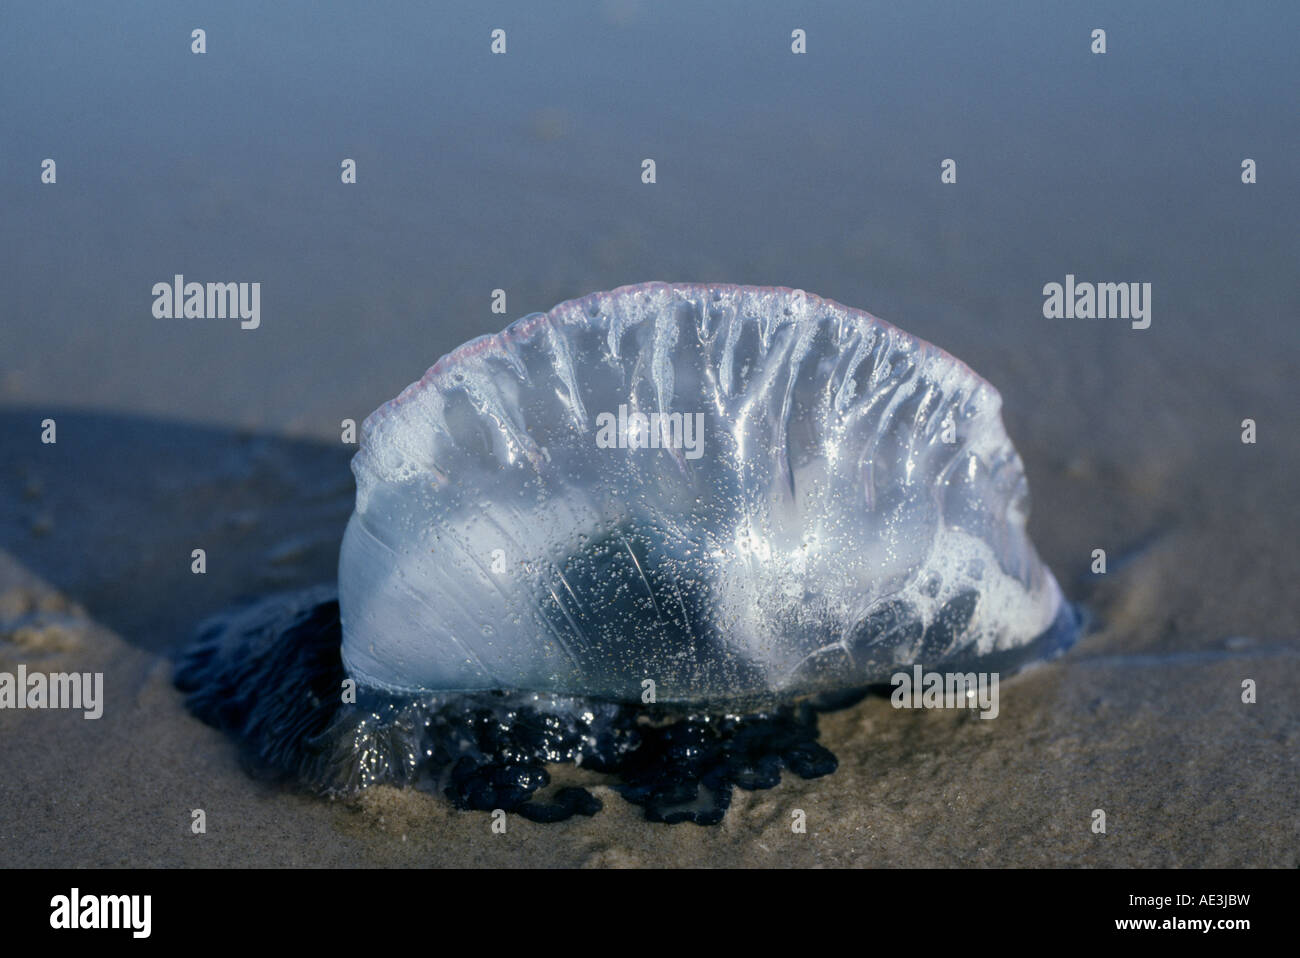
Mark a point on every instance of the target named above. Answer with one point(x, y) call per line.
point(818, 500)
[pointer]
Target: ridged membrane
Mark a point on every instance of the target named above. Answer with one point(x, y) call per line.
point(825, 536)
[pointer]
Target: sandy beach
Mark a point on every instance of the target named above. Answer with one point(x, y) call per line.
point(1143, 719)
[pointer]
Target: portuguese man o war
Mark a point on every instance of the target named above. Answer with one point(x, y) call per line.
point(653, 532)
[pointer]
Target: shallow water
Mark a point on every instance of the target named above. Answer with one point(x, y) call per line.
point(522, 172)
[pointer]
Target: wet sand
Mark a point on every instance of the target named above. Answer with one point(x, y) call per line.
point(1143, 719)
